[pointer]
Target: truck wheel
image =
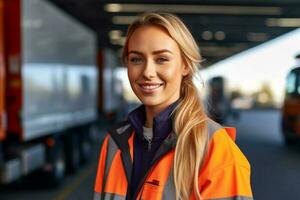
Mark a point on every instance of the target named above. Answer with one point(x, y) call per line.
point(85, 149)
point(289, 141)
point(73, 152)
point(56, 164)
point(93, 133)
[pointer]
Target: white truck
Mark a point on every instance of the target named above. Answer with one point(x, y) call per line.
point(48, 90)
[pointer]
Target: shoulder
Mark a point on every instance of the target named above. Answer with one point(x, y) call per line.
point(222, 151)
point(225, 172)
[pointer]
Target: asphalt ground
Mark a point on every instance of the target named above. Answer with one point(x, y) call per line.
point(275, 166)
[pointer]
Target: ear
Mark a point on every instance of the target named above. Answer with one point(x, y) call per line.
point(185, 70)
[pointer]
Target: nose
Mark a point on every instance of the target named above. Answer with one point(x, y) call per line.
point(149, 70)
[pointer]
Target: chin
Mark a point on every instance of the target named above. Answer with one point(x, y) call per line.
point(149, 102)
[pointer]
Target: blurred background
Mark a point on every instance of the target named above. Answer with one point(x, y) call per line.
point(62, 84)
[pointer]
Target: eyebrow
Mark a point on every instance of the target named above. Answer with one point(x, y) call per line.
point(154, 52)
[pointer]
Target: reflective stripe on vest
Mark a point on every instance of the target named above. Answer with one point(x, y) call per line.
point(112, 149)
point(108, 196)
point(212, 127)
point(234, 198)
point(169, 189)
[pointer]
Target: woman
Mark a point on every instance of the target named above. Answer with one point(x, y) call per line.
point(168, 148)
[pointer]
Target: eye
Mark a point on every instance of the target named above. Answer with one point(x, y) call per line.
point(161, 60)
point(135, 60)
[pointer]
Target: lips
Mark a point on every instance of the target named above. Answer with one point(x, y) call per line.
point(150, 87)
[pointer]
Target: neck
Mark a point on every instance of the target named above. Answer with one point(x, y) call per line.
point(151, 113)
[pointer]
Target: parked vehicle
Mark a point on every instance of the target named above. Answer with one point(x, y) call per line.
point(48, 90)
point(291, 107)
point(218, 104)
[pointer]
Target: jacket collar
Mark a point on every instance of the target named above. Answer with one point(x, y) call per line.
point(162, 123)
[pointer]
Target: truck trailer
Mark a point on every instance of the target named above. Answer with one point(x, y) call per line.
point(48, 90)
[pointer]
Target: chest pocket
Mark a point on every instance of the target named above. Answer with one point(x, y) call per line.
point(152, 191)
point(160, 179)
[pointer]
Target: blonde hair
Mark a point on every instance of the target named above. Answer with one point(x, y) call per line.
point(190, 122)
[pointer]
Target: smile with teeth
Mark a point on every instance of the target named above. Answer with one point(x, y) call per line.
point(150, 87)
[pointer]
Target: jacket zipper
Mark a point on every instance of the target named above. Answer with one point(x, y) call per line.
point(149, 140)
point(149, 144)
point(146, 175)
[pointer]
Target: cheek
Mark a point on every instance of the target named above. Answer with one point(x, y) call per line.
point(133, 76)
point(172, 74)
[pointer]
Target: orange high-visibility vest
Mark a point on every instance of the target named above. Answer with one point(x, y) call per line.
point(225, 173)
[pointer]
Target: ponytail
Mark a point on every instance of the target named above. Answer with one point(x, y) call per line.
point(190, 125)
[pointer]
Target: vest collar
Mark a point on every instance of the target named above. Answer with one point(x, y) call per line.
point(162, 123)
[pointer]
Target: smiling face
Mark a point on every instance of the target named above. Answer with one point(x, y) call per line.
point(155, 67)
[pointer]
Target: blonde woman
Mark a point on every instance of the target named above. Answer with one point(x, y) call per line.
point(168, 148)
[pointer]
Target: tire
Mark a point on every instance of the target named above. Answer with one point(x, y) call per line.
point(73, 152)
point(56, 164)
point(85, 149)
point(289, 141)
point(93, 133)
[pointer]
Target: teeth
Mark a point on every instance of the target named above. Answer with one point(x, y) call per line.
point(150, 87)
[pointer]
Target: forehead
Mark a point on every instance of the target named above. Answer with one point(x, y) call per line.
point(151, 38)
